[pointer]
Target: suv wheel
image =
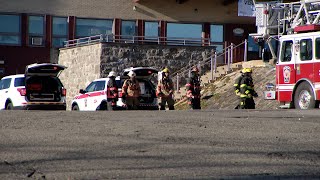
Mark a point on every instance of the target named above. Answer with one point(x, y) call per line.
point(75, 107)
point(9, 106)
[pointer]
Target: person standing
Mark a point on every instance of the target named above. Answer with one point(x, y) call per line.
point(165, 90)
point(193, 89)
point(112, 91)
point(236, 86)
point(247, 91)
point(131, 91)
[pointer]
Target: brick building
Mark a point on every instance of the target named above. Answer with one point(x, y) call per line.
point(34, 30)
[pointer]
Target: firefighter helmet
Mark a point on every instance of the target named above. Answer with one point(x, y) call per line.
point(165, 70)
point(244, 70)
point(195, 69)
point(131, 74)
point(112, 73)
point(248, 70)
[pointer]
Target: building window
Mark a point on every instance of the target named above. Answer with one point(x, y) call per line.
point(216, 36)
point(151, 30)
point(128, 29)
point(92, 27)
point(184, 34)
point(59, 31)
point(36, 30)
point(10, 30)
point(306, 49)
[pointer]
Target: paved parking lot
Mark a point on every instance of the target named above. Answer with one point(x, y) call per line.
point(151, 144)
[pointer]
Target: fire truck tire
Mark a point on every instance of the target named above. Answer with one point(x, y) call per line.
point(304, 97)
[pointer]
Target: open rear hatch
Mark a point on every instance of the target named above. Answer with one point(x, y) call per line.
point(42, 82)
point(144, 76)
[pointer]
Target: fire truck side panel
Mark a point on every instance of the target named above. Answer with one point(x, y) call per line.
point(286, 73)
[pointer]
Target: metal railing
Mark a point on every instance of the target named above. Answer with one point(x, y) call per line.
point(212, 62)
point(140, 40)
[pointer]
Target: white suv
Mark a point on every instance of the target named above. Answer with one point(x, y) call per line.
point(38, 88)
point(94, 96)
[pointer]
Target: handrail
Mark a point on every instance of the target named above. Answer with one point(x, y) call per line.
point(224, 51)
point(139, 39)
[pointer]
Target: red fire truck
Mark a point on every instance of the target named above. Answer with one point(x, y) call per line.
point(296, 27)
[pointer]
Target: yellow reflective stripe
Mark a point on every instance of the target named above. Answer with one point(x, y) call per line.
point(243, 85)
point(235, 84)
point(243, 96)
point(236, 90)
point(247, 92)
point(249, 87)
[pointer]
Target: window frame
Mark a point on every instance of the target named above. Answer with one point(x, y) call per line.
point(283, 51)
point(316, 47)
point(59, 36)
point(307, 40)
point(135, 29)
point(84, 18)
point(18, 34)
point(158, 30)
point(32, 35)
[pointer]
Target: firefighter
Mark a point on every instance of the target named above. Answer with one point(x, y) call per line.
point(112, 91)
point(131, 91)
point(236, 86)
point(247, 91)
point(165, 91)
point(193, 89)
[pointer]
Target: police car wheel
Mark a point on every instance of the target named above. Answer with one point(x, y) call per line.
point(304, 98)
point(75, 108)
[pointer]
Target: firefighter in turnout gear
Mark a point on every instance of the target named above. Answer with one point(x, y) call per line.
point(112, 91)
point(131, 91)
point(236, 86)
point(193, 89)
point(165, 91)
point(247, 91)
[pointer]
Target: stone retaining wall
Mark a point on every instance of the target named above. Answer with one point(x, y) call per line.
point(89, 62)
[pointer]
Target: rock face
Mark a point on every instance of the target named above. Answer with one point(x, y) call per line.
point(89, 62)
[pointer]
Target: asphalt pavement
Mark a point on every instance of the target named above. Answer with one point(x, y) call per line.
point(212, 144)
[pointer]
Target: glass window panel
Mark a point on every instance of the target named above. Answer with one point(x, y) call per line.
point(219, 48)
point(60, 26)
point(100, 85)
point(5, 83)
point(8, 39)
point(286, 53)
point(9, 24)
point(306, 49)
point(19, 82)
point(58, 42)
point(128, 28)
point(216, 33)
point(36, 25)
point(91, 27)
point(175, 30)
point(318, 47)
point(151, 29)
point(91, 87)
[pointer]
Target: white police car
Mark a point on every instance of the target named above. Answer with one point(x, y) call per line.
point(94, 96)
point(38, 88)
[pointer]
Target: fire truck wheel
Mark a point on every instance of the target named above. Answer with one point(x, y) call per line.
point(303, 97)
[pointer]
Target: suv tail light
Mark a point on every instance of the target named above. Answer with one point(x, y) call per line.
point(64, 92)
point(22, 91)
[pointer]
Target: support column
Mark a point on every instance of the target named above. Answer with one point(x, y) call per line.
point(48, 42)
point(24, 30)
point(206, 34)
point(140, 30)
point(163, 32)
point(72, 27)
point(117, 29)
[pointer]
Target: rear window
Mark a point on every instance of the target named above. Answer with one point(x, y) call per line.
point(19, 82)
point(5, 83)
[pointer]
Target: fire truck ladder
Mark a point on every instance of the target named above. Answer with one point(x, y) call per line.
point(274, 20)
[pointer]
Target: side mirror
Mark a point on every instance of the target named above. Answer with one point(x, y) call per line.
point(82, 91)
